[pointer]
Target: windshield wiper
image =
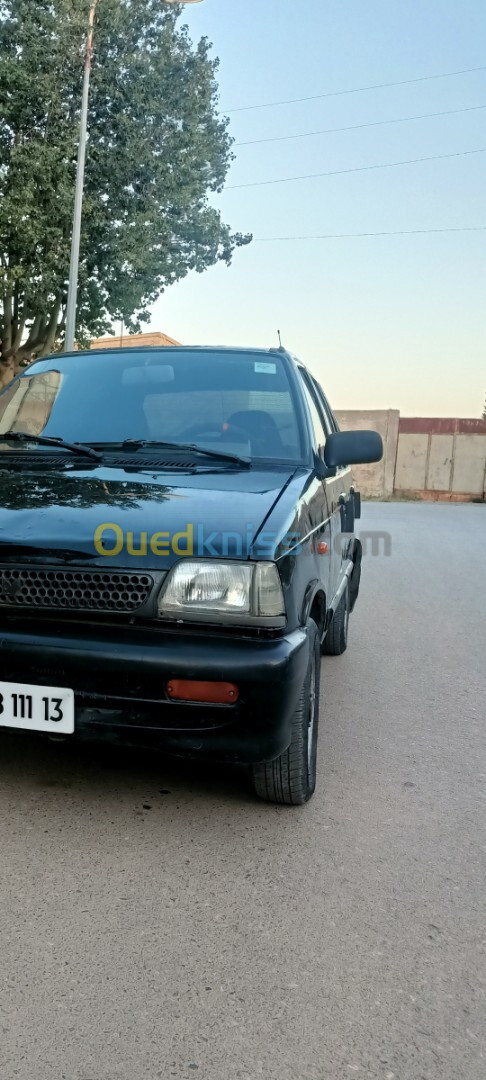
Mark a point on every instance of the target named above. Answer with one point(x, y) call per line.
point(44, 440)
point(218, 455)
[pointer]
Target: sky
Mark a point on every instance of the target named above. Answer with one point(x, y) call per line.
point(384, 321)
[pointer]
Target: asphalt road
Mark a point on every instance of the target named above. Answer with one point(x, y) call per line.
point(216, 937)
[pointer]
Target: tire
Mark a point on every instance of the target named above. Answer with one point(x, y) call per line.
point(291, 779)
point(336, 640)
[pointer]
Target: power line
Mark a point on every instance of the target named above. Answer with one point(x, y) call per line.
point(358, 127)
point(357, 89)
point(352, 236)
point(356, 169)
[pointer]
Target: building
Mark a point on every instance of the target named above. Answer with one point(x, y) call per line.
point(133, 341)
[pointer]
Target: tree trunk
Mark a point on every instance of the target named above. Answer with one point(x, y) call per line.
point(43, 333)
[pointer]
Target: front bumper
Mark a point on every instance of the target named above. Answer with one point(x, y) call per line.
point(119, 676)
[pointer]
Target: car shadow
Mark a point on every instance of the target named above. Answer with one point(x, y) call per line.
point(28, 762)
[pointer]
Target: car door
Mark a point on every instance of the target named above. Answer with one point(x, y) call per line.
point(341, 499)
point(319, 510)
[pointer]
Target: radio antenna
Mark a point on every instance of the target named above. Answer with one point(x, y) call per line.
point(279, 339)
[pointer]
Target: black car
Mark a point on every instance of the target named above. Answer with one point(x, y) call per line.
point(177, 548)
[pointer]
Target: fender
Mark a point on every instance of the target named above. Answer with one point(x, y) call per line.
point(313, 590)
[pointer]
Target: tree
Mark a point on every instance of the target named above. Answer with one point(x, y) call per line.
point(157, 150)
point(484, 410)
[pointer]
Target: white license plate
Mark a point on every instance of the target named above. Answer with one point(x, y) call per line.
point(37, 708)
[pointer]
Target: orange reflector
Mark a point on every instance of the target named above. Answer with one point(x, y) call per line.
point(211, 693)
point(322, 549)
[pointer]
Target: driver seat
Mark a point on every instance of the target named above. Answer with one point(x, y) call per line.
point(262, 430)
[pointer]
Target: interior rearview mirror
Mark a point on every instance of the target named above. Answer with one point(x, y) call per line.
point(353, 448)
point(148, 375)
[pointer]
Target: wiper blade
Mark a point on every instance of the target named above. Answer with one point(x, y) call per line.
point(45, 440)
point(218, 455)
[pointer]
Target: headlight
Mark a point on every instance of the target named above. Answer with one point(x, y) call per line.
point(205, 587)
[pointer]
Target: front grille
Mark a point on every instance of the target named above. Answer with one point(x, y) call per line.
point(75, 590)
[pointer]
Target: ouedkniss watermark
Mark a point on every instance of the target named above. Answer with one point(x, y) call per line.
point(195, 541)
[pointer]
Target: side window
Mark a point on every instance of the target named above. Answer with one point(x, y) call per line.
point(330, 419)
point(315, 412)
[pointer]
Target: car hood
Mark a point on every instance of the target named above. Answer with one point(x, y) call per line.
point(54, 515)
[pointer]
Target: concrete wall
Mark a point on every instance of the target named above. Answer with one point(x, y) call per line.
point(469, 472)
point(374, 480)
point(425, 457)
point(441, 458)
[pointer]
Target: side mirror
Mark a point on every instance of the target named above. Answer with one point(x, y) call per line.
point(353, 448)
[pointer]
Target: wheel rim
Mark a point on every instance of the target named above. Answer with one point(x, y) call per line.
point(312, 716)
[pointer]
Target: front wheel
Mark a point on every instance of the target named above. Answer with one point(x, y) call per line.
point(291, 779)
point(336, 640)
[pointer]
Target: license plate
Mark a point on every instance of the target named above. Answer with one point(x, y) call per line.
point(37, 708)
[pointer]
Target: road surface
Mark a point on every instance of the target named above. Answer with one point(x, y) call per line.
point(157, 922)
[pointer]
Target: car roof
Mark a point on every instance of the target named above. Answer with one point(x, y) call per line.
point(176, 349)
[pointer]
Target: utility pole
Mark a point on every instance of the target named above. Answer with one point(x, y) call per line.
point(78, 201)
point(72, 301)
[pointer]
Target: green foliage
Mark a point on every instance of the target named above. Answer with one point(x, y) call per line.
point(157, 149)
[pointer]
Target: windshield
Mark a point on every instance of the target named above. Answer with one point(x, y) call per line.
point(240, 402)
